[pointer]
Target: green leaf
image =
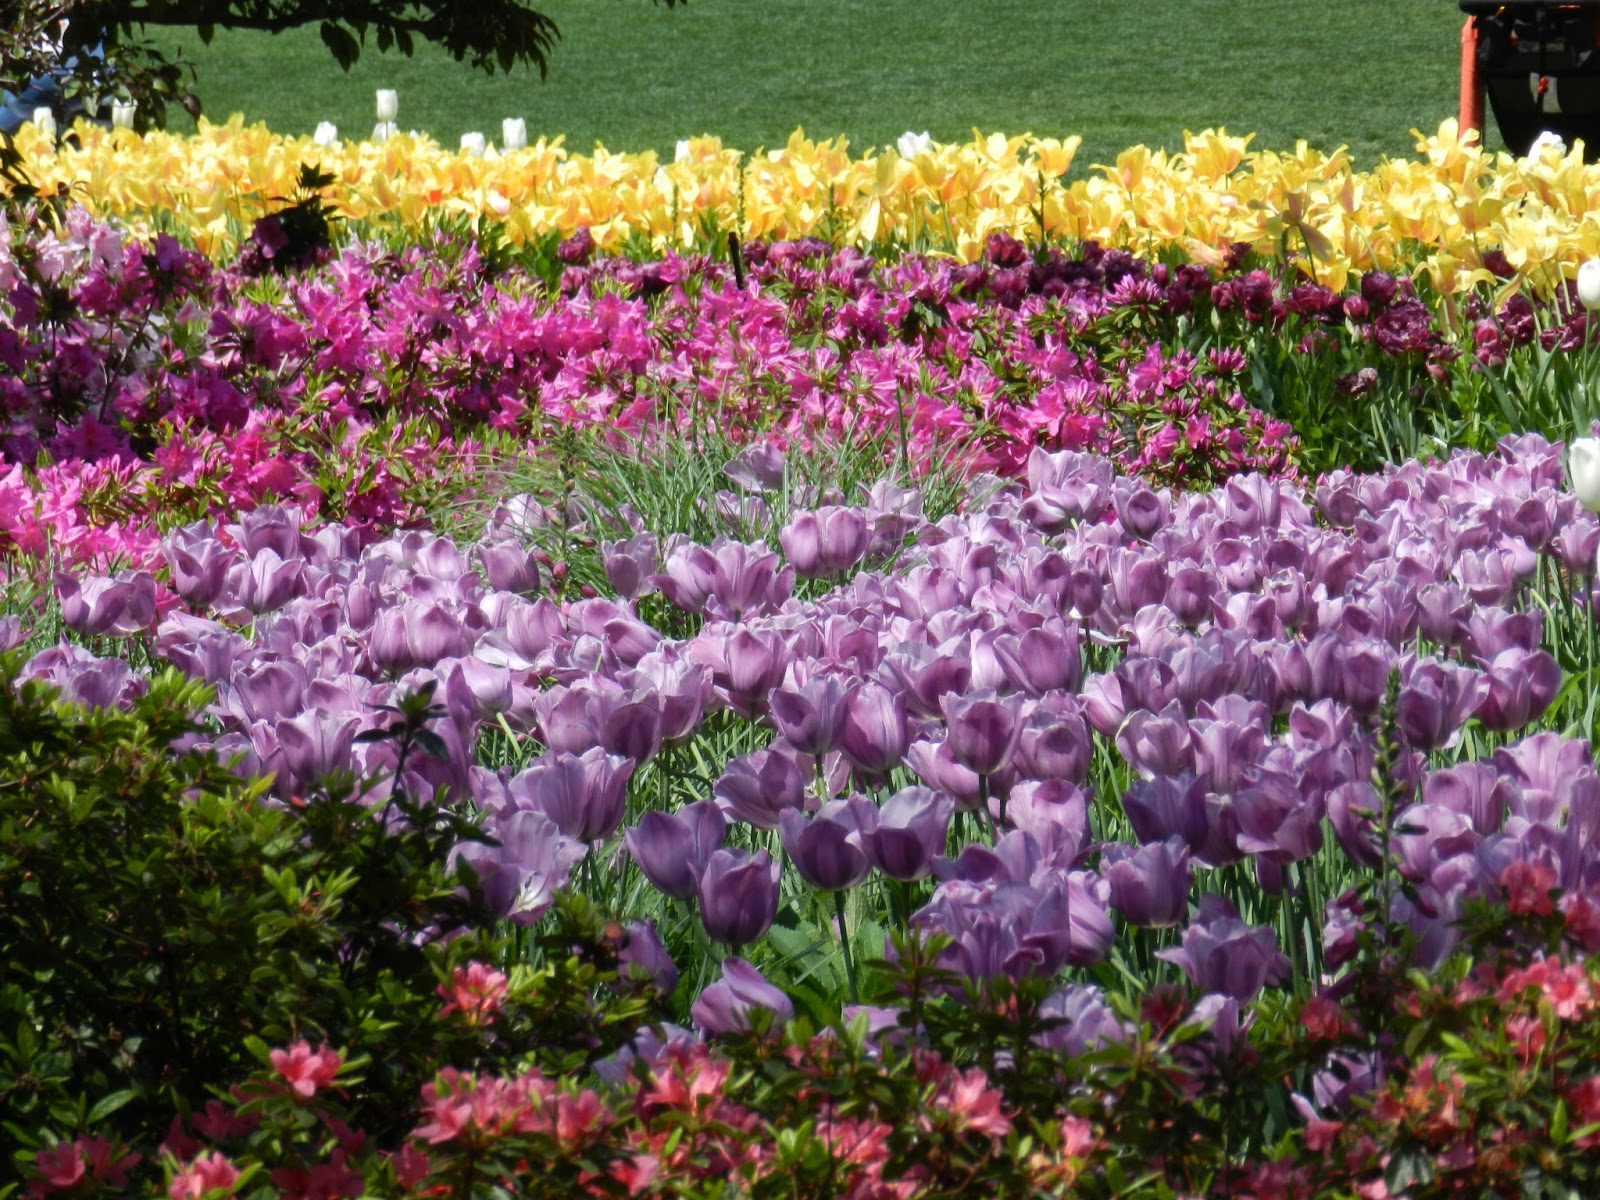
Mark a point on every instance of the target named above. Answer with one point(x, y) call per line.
point(1558, 1124)
point(109, 1104)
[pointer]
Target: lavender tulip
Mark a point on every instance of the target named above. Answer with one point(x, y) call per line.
point(672, 849)
point(827, 849)
point(643, 960)
point(1521, 685)
point(583, 794)
point(982, 730)
point(1041, 660)
point(1150, 883)
point(910, 833)
point(757, 788)
point(1220, 953)
point(738, 895)
point(533, 861)
point(100, 606)
point(726, 1006)
point(873, 732)
point(826, 541)
point(810, 717)
point(508, 567)
point(198, 562)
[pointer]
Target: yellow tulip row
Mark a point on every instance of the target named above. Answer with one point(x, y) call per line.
point(1436, 214)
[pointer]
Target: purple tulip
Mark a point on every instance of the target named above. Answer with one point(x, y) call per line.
point(982, 730)
point(910, 833)
point(415, 635)
point(1157, 744)
point(873, 732)
point(738, 895)
point(925, 677)
point(810, 717)
point(725, 1007)
point(757, 788)
point(1522, 684)
point(1220, 953)
point(828, 541)
point(644, 960)
point(755, 664)
point(673, 848)
point(314, 745)
point(521, 876)
point(100, 606)
point(508, 567)
point(1436, 698)
point(583, 794)
point(265, 583)
point(1041, 660)
point(198, 562)
point(827, 849)
point(758, 468)
point(630, 564)
point(1150, 883)
point(1084, 1021)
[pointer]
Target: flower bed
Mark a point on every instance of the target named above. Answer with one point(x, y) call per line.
point(924, 731)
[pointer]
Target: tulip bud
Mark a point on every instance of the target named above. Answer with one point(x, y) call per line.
point(388, 105)
point(327, 133)
point(514, 133)
point(45, 122)
point(122, 114)
point(1583, 455)
point(384, 130)
point(473, 144)
point(1589, 284)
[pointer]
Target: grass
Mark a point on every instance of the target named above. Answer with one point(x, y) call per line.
point(634, 76)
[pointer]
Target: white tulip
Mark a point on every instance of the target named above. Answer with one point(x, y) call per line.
point(1589, 284)
point(681, 152)
point(388, 104)
point(912, 144)
point(1546, 139)
point(514, 133)
point(122, 114)
point(45, 122)
point(473, 144)
point(327, 133)
point(1583, 463)
point(383, 131)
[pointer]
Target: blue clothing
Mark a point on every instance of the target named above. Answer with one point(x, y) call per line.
point(44, 91)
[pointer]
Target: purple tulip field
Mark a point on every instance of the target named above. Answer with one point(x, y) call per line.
point(1066, 724)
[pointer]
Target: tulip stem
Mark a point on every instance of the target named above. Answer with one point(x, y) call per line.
point(844, 941)
point(983, 807)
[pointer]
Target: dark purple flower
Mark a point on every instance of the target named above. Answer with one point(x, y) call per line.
point(738, 895)
point(873, 733)
point(644, 960)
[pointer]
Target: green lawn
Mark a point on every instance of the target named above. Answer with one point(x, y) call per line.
point(1360, 73)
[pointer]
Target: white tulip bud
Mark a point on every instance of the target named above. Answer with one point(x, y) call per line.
point(1589, 284)
point(122, 114)
point(388, 104)
point(1546, 139)
point(45, 122)
point(327, 133)
point(383, 131)
point(681, 152)
point(473, 144)
point(514, 133)
point(912, 144)
point(1583, 463)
